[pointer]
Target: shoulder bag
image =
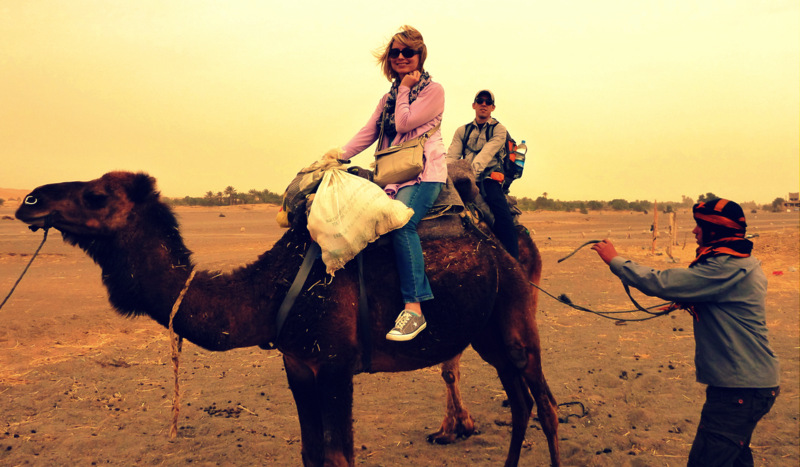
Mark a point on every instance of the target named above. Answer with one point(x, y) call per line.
point(400, 163)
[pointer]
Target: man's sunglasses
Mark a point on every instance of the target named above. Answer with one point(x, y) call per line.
point(481, 101)
point(407, 53)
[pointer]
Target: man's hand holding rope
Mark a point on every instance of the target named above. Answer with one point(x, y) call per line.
point(606, 250)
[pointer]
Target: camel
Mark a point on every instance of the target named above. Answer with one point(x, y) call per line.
point(482, 298)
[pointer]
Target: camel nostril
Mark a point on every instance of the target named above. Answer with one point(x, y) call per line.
point(31, 200)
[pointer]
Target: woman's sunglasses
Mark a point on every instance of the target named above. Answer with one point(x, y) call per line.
point(407, 53)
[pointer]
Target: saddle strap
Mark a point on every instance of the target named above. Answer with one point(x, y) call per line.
point(364, 318)
point(311, 255)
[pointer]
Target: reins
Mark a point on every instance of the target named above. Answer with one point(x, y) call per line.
point(24, 271)
point(612, 314)
point(175, 345)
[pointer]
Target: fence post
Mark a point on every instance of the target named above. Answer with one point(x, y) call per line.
point(673, 232)
point(655, 227)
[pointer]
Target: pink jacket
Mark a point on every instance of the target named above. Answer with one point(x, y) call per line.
point(412, 121)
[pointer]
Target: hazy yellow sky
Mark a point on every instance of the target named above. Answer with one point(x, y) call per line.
point(626, 99)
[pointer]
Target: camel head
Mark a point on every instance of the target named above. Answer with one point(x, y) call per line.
point(122, 225)
point(97, 208)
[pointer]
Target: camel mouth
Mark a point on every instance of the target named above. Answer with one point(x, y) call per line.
point(38, 222)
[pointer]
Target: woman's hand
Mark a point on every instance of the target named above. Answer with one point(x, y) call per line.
point(410, 79)
point(333, 154)
point(606, 250)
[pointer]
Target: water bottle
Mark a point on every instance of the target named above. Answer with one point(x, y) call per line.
point(522, 149)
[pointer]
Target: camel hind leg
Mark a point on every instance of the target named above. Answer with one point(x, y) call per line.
point(515, 312)
point(546, 406)
point(521, 338)
point(457, 423)
point(492, 349)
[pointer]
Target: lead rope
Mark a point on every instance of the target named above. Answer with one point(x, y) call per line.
point(607, 314)
point(175, 345)
point(36, 253)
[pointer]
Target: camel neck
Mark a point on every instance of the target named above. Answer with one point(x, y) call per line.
point(145, 276)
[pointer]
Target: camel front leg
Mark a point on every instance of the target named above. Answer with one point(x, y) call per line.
point(335, 389)
point(457, 423)
point(324, 401)
point(302, 382)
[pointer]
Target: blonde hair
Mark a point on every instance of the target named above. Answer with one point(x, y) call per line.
point(409, 37)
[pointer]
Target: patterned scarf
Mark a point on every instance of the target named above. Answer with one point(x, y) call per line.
point(723, 225)
point(389, 129)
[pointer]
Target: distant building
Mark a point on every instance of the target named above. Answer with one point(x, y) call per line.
point(793, 202)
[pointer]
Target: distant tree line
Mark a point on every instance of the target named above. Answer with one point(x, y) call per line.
point(544, 203)
point(230, 196)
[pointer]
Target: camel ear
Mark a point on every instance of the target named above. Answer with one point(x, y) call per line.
point(142, 188)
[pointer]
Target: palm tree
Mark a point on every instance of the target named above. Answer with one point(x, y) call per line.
point(230, 192)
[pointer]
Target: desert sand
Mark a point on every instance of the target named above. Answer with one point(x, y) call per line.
point(81, 385)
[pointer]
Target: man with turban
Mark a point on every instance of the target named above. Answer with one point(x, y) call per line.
point(725, 290)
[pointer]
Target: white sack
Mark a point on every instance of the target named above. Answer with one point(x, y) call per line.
point(348, 213)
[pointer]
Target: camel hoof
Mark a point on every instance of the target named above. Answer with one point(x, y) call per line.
point(463, 429)
point(441, 438)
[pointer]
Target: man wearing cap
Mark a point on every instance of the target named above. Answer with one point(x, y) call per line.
point(482, 143)
point(725, 290)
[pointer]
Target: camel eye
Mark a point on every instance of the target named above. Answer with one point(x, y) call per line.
point(95, 200)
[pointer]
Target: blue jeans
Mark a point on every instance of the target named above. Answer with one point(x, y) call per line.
point(414, 285)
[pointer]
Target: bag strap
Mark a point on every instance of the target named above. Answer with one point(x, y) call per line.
point(468, 131)
point(380, 137)
point(430, 132)
point(425, 135)
point(422, 138)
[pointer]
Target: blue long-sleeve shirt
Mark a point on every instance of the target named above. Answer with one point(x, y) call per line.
point(729, 295)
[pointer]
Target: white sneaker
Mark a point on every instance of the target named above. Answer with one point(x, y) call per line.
point(406, 327)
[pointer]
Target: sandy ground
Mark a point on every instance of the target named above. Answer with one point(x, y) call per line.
point(80, 385)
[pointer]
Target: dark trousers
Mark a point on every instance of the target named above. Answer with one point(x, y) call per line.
point(727, 422)
point(503, 226)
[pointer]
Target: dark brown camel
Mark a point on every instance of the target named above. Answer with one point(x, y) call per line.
point(482, 298)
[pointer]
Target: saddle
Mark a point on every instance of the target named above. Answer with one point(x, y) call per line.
point(459, 203)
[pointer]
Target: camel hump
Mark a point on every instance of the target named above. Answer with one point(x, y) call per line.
point(460, 173)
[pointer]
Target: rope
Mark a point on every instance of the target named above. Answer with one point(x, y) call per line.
point(176, 344)
point(576, 249)
point(36, 253)
point(608, 314)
